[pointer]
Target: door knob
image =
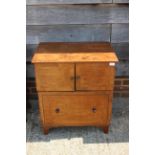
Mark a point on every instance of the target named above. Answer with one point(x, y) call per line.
point(57, 110)
point(93, 109)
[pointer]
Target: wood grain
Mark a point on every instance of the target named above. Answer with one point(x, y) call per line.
point(121, 49)
point(120, 33)
point(109, 116)
point(67, 33)
point(75, 57)
point(122, 69)
point(40, 103)
point(44, 93)
point(54, 77)
point(36, 2)
point(77, 14)
point(95, 76)
point(75, 109)
point(74, 52)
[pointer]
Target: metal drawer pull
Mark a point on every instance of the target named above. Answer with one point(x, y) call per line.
point(57, 110)
point(93, 109)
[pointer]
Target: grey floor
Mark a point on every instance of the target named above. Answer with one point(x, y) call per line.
point(81, 140)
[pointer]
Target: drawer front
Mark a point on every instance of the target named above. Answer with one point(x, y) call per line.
point(75, 109)
point(94, 76)
point(54, 77)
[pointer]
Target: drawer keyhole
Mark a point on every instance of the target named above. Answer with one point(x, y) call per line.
point(57, 110)
point(93, 109)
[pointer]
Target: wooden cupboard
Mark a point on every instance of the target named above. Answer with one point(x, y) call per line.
point(75, 83)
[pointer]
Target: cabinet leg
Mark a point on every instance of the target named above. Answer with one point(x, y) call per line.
point(106, 129)
point(45, 130)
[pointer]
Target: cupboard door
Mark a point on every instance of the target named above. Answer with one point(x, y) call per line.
point(94, 76)
point(54, 77)
point(79, 109)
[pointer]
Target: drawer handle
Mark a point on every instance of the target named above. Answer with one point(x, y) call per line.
point(93, 109)
point(57, 110)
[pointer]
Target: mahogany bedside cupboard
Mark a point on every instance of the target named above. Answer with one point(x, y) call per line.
point(75, 83)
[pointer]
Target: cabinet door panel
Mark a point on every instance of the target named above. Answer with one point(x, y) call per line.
point(94, 76)
point(54, 77)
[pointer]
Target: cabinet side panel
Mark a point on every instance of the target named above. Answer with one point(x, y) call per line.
point(41, 109)
point(110, 99)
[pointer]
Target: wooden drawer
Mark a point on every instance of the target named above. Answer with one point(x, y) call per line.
point(54, 77)
point(94, 76)
point(73, 109)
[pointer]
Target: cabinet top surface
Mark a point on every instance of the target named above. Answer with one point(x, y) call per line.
point(74, 52)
